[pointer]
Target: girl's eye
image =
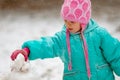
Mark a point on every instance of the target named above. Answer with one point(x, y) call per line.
point(65, 20)
point(72, 22)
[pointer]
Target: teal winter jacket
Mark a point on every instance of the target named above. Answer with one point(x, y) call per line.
point(103, 52)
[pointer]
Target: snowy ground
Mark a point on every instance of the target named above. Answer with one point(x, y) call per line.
point(17, 27)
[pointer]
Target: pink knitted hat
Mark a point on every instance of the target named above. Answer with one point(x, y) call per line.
point(77, 10)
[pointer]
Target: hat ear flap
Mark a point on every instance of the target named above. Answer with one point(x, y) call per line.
point(83, 26)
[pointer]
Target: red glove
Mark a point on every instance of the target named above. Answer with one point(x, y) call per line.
point(24, 52)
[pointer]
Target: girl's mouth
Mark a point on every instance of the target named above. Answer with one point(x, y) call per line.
point(70, 29)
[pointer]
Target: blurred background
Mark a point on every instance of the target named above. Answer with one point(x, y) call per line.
point(22, 20)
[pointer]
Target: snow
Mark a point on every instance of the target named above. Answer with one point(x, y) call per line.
point(18, 26)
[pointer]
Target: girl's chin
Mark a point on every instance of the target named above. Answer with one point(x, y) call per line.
point(74, 31)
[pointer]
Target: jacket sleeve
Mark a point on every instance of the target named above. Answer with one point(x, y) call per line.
point(111, 50)
point(45, 47)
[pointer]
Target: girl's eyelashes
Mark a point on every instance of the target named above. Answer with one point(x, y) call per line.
point(65, 20)
point(71, 22)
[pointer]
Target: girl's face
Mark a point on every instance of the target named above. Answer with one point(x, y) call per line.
point(73, 27)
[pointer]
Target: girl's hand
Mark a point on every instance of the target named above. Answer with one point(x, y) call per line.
point(24, 52)
point(20, 65)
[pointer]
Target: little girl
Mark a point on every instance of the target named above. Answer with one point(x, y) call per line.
point(87, 50)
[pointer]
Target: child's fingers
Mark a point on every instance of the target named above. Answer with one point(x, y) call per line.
point(14, 54)
point(17, 52)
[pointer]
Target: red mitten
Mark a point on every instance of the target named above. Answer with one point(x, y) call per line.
point(24, 52)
